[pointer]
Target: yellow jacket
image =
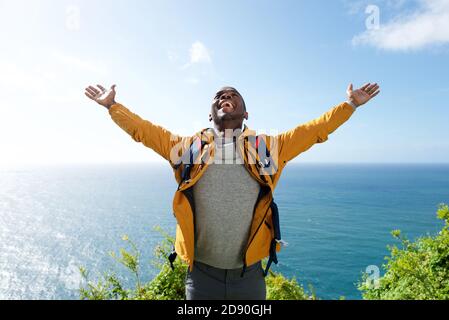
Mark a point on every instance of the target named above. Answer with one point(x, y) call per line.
point(283, 148)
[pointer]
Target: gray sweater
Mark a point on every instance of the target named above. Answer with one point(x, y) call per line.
point(224, 202)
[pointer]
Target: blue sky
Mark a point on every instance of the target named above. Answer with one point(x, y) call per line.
point(292, 61)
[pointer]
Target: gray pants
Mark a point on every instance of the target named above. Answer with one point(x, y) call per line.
point(209, 283)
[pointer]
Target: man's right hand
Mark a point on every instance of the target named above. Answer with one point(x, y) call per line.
point(100, 95)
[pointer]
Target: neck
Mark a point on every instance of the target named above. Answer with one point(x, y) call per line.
point(227, 128)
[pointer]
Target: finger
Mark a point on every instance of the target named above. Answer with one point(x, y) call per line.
point(372, 92)
point(372, 88)
point(101, 87)
point(89, 96)
point(365, 86)
point(350, 87)
point(94, 89)
point(91, 92)
point(375, 94)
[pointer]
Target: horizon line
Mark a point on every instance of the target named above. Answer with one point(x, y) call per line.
point(9, 165)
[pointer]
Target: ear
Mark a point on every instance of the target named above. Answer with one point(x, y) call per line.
point(210, 117)
point(246, 115)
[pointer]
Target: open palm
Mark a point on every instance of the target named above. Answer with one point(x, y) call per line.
point(364, 94)
point(102, 96)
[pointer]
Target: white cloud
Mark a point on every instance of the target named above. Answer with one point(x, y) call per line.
point(199, 65)
point(199, 53)
point(354, 7)
point(427, 26)
point(357, 6)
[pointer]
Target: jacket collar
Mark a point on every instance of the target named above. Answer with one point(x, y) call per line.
point(209, 133)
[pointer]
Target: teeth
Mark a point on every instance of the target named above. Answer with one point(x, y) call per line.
point(227, 104)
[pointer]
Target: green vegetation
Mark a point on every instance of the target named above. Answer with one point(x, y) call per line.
point(414, 270)
point(417, 270)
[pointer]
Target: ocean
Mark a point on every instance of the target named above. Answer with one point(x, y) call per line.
point(337, 219)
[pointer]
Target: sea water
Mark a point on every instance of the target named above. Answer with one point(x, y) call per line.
point(337, 219)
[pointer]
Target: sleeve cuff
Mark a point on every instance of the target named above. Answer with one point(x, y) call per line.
point(352, 105)
point(114, 107)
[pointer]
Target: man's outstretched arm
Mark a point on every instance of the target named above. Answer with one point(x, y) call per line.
point(152, 136)
point(301, 138)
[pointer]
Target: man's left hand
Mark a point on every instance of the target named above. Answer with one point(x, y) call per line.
point(363, 95)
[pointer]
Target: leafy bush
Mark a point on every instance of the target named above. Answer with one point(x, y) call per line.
point(419, 270)
point(168, 284)
point(281, 288)
point(416, 270)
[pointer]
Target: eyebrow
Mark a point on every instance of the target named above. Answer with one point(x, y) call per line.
point(219, 93)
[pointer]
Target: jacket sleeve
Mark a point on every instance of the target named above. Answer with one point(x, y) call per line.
point(301, 138)
point(152, 136)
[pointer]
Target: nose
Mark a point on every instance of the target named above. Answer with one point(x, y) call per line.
point(226, 95)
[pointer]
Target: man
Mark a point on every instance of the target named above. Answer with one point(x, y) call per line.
point(226, 218)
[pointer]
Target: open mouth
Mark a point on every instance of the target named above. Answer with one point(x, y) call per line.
point(226, 106)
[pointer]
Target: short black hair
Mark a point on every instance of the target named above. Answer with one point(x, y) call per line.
point(233, 89)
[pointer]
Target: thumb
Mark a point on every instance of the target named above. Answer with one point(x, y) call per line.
point(350, 87)
point(113, 87)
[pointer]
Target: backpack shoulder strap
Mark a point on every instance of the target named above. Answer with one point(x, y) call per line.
point(192, 153)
